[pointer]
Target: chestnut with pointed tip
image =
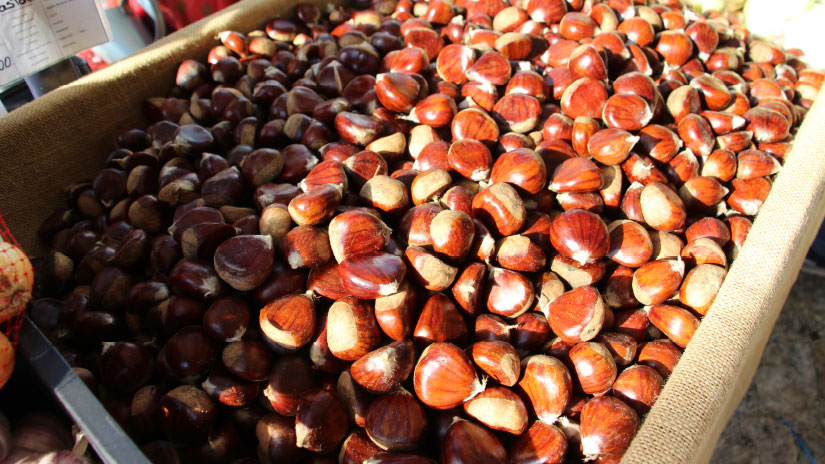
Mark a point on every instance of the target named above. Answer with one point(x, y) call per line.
point(620, 345)
point(288, 323)
point(676, 323)
point(466, 441)
point(396, 421)
point(386, 193)
point(187, 413)
point(661, 355)
point(639, 387)
point(354, 233)
point(595, 367)
point(611, 146)
point(498, 359)
point(396, 91)
point(358, 448)
point(626, 111)
point(576, 175)
point(245, 261)
point(704, 251)
point(661, 207)
point(306, 246)
point(607, 426)
point(656, 281)
point(440, 321)
point(500, 206)
point(452, 234)
point(395, 313)
point(372, 275)
point(320, 421)
point(316, 206)
point(384, 369)
point(522, 168)
point(444, 377)
point(519, 253)
point(509, 293)
point(352, 331)
point(701, 286)
point(468, 288)
point(580, 235)
point(470, 158)
point(541, 442)
point(547, 383)
point(499, 409)
point(429, 270)
point(577, 315)
point(630, 243)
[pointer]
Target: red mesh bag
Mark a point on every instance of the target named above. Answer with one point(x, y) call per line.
point(16, 282)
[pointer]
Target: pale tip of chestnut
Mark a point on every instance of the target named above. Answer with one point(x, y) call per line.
point(750, 208)
point(582, 257)
point(311, 162)
point(389, 289)
point(480, 175)
point(478, 387)
point(468, 102)
point(678, 265)
point(721, 210)
point(411, 117)
point(301, 432)
point(212, 285)
point(590, 447)
point(570, 429)
point(294, 259)
point(487, 87)
point(487, 246)
point(647, 116)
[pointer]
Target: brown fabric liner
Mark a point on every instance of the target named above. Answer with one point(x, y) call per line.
point(65, 136)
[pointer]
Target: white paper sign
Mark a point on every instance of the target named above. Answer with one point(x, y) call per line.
point(35, 34)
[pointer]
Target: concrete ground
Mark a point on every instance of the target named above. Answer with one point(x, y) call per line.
point(782, 417)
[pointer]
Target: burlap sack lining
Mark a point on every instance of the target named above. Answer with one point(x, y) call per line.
point(64, 137)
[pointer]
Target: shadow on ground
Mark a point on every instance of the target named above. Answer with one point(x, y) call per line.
point(787, 396)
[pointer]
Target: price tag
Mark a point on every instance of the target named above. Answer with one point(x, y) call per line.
point(35, 34)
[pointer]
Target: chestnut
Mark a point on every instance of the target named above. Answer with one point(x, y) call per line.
point(607, 426)
point(288, 323)
point(444, 377)
point(125, 366)
point(320, 421)
point(396, 421)
point(290, 377)
point(469, 442)
point(187, 413)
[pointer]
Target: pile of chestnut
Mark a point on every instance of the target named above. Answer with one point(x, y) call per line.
point(407, 232)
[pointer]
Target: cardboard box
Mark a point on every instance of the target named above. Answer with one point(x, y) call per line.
point(65, 136)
